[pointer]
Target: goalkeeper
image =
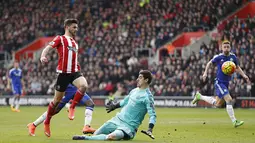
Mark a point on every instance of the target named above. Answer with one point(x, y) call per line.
point(135, 106)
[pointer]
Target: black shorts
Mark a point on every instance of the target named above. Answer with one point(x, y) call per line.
point(64, 79)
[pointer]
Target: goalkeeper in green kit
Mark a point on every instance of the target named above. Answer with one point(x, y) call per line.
point(134, 107)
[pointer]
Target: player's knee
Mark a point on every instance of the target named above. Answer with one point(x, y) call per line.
point(229, 102)
point(218, 105)
point(90, 104)
point(83, 87)
point(56, 112)
point(111, 137)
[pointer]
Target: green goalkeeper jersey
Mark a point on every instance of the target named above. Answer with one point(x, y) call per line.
point(135, 106)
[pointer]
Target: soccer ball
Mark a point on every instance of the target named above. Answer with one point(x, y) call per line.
point(228, 67)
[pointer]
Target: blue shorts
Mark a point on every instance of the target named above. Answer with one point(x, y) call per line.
point(68, 96)
point(221, 88)
point(16, 90)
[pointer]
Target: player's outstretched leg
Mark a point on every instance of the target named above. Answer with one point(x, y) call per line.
point(196, 98)
point(230, 111)
point(32, 126)
point(237, 123)
point(82, 85)
point(77, 97)
point(31, 129)
point(208, 99)
point(50, 113)
point(116, 135)
point(88, 118)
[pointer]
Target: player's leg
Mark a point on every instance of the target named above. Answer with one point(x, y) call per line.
point(32, 126)
point(100, 134)
point(209, 99)
point(87, 101)
point(19, 92)
point(60, 87)
point(115, 135)
point(230, 111)
point(39, 120)
point(15, 94)
point(81, 83)
point(219, 102)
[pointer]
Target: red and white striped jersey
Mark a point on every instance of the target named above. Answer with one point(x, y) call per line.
point(67, 52)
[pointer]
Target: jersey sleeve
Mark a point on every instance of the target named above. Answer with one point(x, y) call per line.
point(10, 74)
point(21, 74)
point(215, 59)
point(151, 109)
point(55, 42)
point(125, 100)
point(236, 61)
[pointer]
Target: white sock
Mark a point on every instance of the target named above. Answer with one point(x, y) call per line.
point(39, 120)
point(208, 99)
point(231, 113)
point(17, 104)
point(67, 105)
point(88, 117)
point(13, 101)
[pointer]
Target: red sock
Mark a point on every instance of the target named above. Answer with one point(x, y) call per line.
point(51, 109)
point(77, 98)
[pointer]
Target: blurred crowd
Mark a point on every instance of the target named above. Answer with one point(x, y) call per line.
point(122, 24)
point(109, 34)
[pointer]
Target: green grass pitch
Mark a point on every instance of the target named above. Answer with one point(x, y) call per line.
point(174, 125)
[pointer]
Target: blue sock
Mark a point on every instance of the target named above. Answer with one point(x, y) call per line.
point(96, 137)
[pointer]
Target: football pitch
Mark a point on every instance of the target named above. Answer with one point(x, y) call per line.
point(174, 125)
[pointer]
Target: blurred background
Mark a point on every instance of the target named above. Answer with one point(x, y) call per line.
point(117, 38)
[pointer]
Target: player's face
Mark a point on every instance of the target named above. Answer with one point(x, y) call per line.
point(226, 49)
point(141, 81)
point(73, 28)
point(16, 65)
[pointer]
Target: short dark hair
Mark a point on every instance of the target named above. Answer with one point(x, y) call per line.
point(68, 22)
point(146, 75)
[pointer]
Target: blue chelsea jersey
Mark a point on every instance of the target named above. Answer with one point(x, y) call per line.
point(219, 60)
point(15, 75)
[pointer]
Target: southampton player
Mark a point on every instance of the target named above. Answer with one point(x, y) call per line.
point(15, 79)
point(135, 106)
point(222, 81)
point(68, 70)
point(69, 94)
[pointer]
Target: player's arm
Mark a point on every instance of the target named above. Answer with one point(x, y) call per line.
point(8, 83)
point(23, 84)
point(9, 80)
point(240, 71)
point(214, 60)
point(206, 69)
point(56, 41)
point(113, 105)
point(152, 115)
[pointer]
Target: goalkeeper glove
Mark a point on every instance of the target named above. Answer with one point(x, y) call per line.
point(148, 133)
point(110, 106)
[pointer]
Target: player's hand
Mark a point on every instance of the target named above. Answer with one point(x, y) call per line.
point(110, 106)
point(204, 77)
point(43, 60)
point(148, 133)
point(8, 87)
point(247, 79)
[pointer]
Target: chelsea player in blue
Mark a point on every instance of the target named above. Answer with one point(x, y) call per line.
point(134, 107)
point(15, 79)
point(69, 94)
point(222, 81)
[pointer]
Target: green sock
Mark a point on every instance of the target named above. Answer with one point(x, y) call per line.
point(96, 137)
